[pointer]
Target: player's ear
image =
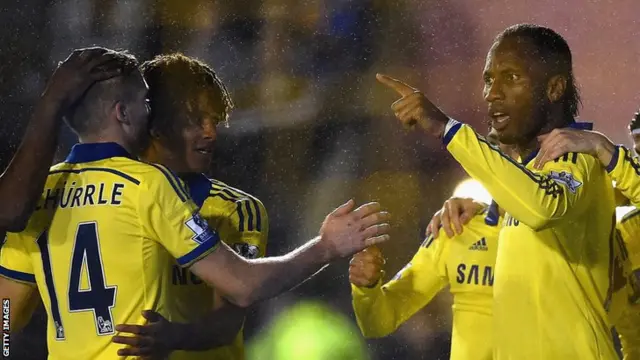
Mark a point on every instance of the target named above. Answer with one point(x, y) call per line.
point(155, 134)
point(121, 112)
point(556, 87)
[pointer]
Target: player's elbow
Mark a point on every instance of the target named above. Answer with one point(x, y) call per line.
point(243, 297)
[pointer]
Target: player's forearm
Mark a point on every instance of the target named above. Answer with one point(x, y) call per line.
point(218, 328)
point(271, 276)
point(23, 181)
point(244, 282)
point(533, 199)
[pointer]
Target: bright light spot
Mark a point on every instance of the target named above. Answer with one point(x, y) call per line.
point(472, 189)
point(621, 211)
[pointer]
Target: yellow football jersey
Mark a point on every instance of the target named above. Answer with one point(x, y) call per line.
point(627, 324)
point(624, 169)
point(553, 269)
point(241, 221)
point(466, 263)
point(104, 233)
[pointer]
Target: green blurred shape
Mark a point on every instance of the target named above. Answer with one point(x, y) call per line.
point(309, 331)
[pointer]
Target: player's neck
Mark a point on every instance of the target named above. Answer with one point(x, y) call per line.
point(556, 119)
point(103, 138)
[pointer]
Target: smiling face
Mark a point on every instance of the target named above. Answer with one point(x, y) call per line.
point(515, 91)
point(188, 146)
point(199, 132)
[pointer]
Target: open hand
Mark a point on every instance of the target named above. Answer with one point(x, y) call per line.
point(561, 141)
point(345, 231)
point(75, 75)
point(150, 341)
point(455, 213)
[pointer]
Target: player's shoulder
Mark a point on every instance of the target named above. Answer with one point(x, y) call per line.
point(151, 177)
point(574, 160)
point(209, 192)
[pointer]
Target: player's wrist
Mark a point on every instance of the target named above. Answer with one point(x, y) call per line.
point(436, 124)
point(179, 336)
point(49, 104)
point(324, 250)
point(604, 151)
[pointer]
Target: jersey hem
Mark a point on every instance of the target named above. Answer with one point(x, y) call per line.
point(17, 275)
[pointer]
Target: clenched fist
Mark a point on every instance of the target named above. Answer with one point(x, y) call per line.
point(366, 267)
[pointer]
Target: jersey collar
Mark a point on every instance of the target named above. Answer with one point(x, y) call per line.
point(81, 153)
point(493, 214)
point(199, 186)
point(573, 125)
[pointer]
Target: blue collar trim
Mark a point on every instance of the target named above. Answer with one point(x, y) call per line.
point(199, 187)
point(82, 153)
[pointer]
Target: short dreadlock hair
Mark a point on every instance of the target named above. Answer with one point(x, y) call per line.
point(176, 79)
point(553, 51)
point(82, 118)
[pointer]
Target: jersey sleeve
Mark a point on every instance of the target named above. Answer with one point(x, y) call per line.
point(535, 199)
point(15, 258)
point(250, 221)
point(629, 227)
point(169, 216)
point(624, 169)
point(382, 309)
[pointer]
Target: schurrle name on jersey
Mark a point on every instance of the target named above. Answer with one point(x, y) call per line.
point(71, 196)
point(471, 274)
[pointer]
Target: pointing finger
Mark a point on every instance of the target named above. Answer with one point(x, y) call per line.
point(397, 85)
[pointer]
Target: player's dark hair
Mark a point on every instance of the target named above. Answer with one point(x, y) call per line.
point(174, 81)
point(82, 118)
point(635, 122)
point(554, 53)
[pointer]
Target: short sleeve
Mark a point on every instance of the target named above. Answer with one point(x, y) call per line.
point(170, 217)
point(15, 258)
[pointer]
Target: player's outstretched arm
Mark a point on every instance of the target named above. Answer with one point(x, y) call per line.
point(381, 309)
point(23, 181)
point(344, 232)
point(534, 199)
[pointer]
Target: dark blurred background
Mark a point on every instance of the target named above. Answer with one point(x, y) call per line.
point(312, 127)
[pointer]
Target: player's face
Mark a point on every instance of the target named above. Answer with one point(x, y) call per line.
point(514, 89)
point(636, 142)
point(199, 131)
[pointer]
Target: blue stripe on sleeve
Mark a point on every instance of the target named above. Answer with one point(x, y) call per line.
point(17, 275)
point(200, 249)
point(449, 134)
